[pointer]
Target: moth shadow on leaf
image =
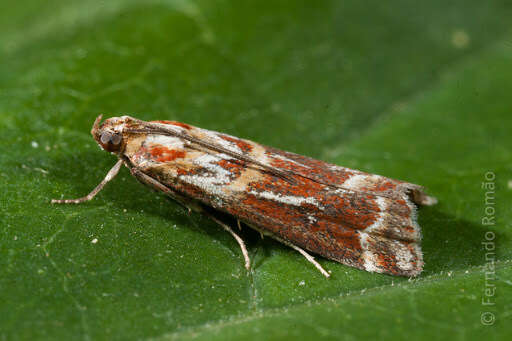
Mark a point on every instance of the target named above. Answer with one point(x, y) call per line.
point(451, 244)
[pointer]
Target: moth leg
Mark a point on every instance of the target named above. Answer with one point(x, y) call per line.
point(237, 238)
point(310, 258)
point(110, 175)
point(240, 228)
point(144, 178)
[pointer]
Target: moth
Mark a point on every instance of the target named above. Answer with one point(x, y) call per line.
point(361, 220)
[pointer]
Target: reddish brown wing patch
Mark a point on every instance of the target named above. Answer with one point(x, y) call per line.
point(164, 154)
point(243, 145)
point(350, 228)
point(307, 167)
point(300, 225)
point(175, 123)
point(336, 176)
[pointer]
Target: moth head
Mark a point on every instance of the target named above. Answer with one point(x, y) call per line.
point(109, 134)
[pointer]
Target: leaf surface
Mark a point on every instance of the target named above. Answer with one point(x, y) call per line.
point(418, 92)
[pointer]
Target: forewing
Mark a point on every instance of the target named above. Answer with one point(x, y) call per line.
point(358, 219)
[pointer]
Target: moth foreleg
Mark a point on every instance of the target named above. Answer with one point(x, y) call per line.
point(110, 175)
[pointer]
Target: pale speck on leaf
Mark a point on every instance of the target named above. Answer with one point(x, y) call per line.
point(460, 39)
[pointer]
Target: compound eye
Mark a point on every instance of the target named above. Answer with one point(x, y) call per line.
point(108, 138)
point(105, 137)
point(115, 139)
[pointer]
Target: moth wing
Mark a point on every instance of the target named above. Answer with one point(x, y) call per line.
point(359, 219)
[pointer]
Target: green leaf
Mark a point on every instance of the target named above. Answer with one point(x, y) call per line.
point(419, 92)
